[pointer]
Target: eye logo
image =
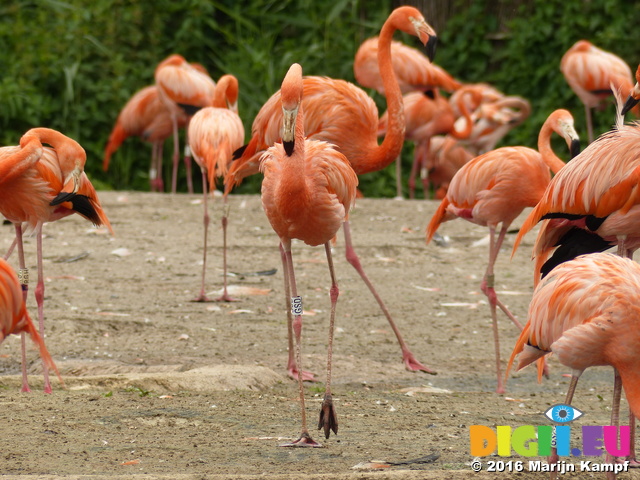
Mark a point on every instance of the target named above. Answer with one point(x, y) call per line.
point(562, 413)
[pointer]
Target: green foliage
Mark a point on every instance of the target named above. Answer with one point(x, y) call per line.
point(71, 65)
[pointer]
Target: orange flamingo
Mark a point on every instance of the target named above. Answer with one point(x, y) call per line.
point(413, 69)
point(592, 205)
point(494, 188)
point(592, 73)
point(215, 132)
point(184, 88)
point(493, 120)
point(14, 317)
point(586, 312)
point(446, 156)
point(426, 115)
point(350, 124)
point(307, 192)
point(40, 185)
point(147, 117)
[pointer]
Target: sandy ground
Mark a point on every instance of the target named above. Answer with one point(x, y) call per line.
point(161, 387)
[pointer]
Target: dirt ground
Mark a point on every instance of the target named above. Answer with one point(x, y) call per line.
point(158, 386)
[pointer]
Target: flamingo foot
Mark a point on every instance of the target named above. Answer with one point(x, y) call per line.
point(25, 388)
point(305, 441)
point(328, 418)
point(201, 298)
point(226, 298)
point(306, 376)
point(48, 389)
point(414, 365)
point(633, 463)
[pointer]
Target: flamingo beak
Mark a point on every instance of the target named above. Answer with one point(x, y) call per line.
point(430, 47)
point(572, 139)
point(574, 149)
point(289, 129)
point(629, 104)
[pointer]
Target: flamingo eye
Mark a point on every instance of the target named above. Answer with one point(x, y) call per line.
point(562, 413)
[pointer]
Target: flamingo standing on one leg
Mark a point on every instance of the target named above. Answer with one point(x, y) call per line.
point(586, 311)
point(351, 124)
point(494, 188)
point(147, 117)
point(591, 73)
point(307, 192)
point(39, 185)
point(215, 132)
point(184, 89)
point(14, 317)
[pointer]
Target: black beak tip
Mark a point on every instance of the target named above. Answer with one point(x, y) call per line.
point(430, 47)
point(629, 104)
point(288, 147)
point(575, 148)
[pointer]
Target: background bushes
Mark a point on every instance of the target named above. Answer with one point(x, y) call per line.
point(72, 65)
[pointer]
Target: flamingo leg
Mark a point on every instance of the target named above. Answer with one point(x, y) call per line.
point(203, 297)
point(11, 248)
point(176, 154)
point(488, 289)
point(587, 114)
point(633, 462)
point(399, 195)
point(415, 167)
point(39, 294)
point(155, 172)
point(23, 275)
point(615, 414)
point(410, 362)
point(187, 160)
point(328, 418)
point(424, 172)
point(305, 439)
point(292, 368)
point(554, 458)
point(225, 220)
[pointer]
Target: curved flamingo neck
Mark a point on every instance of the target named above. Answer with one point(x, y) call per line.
point(391, 146)
point(464, 109)
point(544, 147)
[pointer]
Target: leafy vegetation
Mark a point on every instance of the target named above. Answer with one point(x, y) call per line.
point(71, 65)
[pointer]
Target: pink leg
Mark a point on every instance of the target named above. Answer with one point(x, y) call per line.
point(305, 439)
point(11, 248)
point(23, 275)
point(408, 358)
point(615, 414)
point(328, 418)
point(488, 289)
point(155, 173)
point(176, 154)
point(187, 160)
point(399, 178)
point(225, 297)
point(554, 458)
point(415, 167)
point(633, 462)
point(39, 293)
point(202, 297)
point(292, 369)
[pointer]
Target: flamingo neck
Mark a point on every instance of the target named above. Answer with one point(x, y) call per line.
point(393, 140)
point(544, 147)
point(462, 106)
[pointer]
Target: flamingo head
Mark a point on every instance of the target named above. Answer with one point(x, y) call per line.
point(634, 96)
point(291, 97)
point(411, 21)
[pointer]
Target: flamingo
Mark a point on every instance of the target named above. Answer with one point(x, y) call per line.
point(494, 188)
point(307, 192)
point(184, 88)
point(414, 70)
point(585, 311)
point(426, 115)
point(38, 185)
point(634, 95)
point(14, 317)
point(342, 114)
point(446, 156)
point(147, 117)
point(592, 73)
point(215, 132)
